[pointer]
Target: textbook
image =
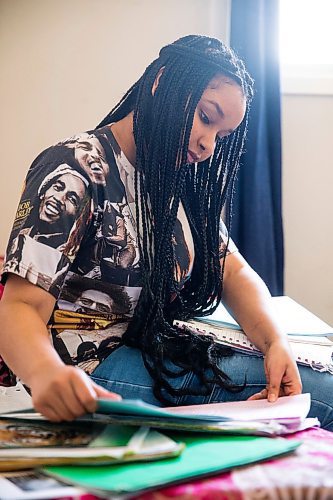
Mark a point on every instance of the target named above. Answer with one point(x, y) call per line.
point(284, 416)
point(308, 336)
point(25, 443)
point(201, 457)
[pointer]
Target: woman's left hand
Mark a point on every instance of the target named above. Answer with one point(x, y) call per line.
point(281, 371)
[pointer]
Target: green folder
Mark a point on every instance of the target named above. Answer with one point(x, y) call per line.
point(202, 456)
point(138, 408)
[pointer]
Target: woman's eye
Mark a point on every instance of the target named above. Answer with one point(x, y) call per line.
point(204, 118)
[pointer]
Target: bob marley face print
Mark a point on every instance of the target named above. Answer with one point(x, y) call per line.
point(44, 242)
point(62, 198)
point(90, 155)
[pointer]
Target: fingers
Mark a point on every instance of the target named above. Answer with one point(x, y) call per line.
point(84, 392)
point(259, 395)
point(58, 400)
point(291, 382)
point(273, 390)
point(68, 395)
point(87, 392)
point(104, 393)
point(51, 414)
point(281, 372)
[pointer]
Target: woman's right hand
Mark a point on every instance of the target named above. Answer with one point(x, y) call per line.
point(59, 392)
point(65, 392)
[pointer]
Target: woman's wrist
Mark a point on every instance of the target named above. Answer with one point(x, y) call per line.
point(266, 334)
point(279, 340)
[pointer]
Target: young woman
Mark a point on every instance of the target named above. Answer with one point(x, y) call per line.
point(167, 158)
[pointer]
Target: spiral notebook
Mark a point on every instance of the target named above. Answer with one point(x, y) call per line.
point(309, 336)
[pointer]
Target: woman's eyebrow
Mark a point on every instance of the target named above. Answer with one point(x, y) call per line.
point(220, 112)
point(218, 108)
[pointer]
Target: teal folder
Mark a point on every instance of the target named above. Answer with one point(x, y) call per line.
point(202, 456)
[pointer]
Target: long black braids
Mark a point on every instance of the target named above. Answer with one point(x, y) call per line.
point(163, 179)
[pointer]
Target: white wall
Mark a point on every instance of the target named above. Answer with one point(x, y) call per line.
point(307, 126)
point(64, 63)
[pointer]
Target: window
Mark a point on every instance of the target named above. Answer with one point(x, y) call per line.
point(306, 46)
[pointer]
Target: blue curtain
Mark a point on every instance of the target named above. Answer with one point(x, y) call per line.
point(257, 220)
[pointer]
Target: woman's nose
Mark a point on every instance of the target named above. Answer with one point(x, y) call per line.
point(207, 145)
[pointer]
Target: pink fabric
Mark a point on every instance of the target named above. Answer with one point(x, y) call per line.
point(307, 473)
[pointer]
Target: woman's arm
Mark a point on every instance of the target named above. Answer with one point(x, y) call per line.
point(58, 391)
point(249, 301)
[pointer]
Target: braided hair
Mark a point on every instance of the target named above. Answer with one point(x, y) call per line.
point(162, 126)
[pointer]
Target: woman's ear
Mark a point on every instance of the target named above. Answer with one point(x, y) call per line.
point(157, 81)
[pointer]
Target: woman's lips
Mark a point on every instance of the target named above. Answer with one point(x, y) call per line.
point(192, 157)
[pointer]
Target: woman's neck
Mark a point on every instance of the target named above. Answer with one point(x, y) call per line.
point(123, 133)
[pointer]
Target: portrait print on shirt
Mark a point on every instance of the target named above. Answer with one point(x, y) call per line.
point(49, 224)
point(83, 303)
point(83, 295)
point(90, 155)
point(120, 262)
point(112, 254)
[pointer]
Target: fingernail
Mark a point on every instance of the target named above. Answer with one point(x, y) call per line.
point(272, 398)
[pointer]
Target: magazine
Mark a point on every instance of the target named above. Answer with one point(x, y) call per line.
point(26, 443)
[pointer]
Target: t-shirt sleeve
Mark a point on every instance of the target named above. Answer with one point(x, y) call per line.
point(51, 220)
point(223, 241)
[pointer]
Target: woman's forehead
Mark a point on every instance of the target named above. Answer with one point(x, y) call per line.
point(219, 80)
point(223, 89)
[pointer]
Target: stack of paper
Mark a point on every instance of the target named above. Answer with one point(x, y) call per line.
point(201, 457)
point(286, 415)
point(197, 454)
point(26, 443)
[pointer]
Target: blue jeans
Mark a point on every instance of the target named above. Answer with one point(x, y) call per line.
point(123, 372)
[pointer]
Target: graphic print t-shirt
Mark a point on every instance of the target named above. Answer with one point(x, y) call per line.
point(75, 236)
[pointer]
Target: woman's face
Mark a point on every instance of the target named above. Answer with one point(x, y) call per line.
point(219, 112)
point(62, 198)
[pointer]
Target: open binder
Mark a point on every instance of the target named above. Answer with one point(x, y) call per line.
point(309, 336)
